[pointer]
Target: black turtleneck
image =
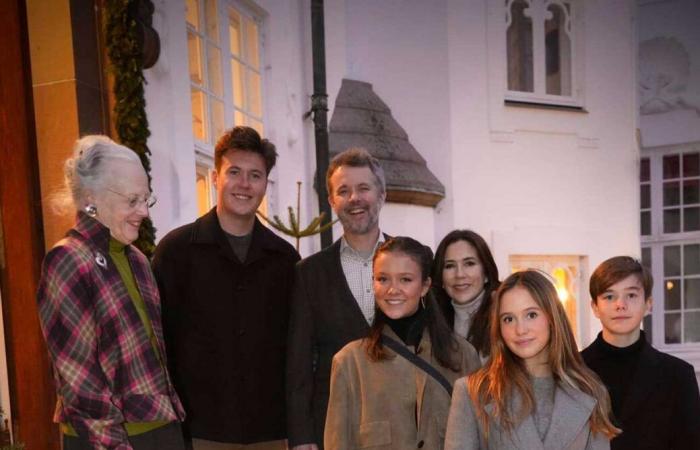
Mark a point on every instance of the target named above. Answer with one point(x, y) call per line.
point(409, 329)
point(616, 366)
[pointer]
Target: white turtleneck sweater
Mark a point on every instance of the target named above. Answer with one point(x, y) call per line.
point(464, 313)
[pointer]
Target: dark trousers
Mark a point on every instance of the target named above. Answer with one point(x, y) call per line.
point(168, 437)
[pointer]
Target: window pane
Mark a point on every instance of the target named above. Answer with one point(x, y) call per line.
point(211, 20)
point(670, 166)
point(691, 293)
point(672, 261)
point(257, 125)
point(691, 259)
point(203, 191)
point(645, 196)
point(234, 32)
point(691, 191)
point(195, 57)
point(239, 118)
point(557, 52)
point(672, 193)
point(192, 13)
point(252, 56)
point(254, 94)
point(646, 223)
point(646, 257)
point(644, 173)
point(199, 116)
point(691, 165)
point(691, 327)
point(673, 328)
point(519, 49)
point(214, 68)
point(237, 81)
point(672, 294)
point(691, 219)
point(217, 119)
point(672, 221)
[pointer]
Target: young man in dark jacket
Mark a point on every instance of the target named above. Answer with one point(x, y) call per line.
point(654, 395)
point(225, 283)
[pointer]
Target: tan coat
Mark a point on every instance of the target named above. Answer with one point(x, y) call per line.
point(390, 404)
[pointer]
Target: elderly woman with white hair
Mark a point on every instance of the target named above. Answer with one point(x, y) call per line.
point(100, 311)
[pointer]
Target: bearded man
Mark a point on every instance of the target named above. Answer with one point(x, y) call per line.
point(333, 301)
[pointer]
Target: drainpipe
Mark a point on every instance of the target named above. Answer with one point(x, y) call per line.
point(319, 108)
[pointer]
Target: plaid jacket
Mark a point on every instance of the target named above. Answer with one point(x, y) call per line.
point(105, 367)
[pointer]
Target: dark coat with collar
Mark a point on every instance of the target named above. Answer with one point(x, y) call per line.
point(325, 317)
point(662, 406)
point(225, 325)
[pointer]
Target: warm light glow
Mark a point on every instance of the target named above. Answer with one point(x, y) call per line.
point(563, 294)
point(560, 280)
point(669, 285)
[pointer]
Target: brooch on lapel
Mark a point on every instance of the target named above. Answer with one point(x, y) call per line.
point(100, 260)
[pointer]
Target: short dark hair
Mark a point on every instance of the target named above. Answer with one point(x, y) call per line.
point(618, 268)
point(246, 139)
point(356, 157)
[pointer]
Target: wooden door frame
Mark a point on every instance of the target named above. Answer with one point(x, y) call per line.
point(31, 387)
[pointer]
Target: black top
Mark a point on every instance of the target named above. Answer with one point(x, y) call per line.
point(660, 406)
point(617, 366)
point(408, 329)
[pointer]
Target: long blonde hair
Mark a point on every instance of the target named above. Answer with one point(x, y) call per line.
point(505, 373)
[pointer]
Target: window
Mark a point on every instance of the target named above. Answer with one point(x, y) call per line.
point(540, 51)
point(224, 42)
point(670, 230)
point(564, 272)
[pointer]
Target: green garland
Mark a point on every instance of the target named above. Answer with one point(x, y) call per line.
point(125, 54)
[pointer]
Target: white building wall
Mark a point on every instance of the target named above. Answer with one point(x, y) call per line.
point(530, 180)
point(541, 181)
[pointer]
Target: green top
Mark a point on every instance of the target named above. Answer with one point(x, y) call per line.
point(121, 262)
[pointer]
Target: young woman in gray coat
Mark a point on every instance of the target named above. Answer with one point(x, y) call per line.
point(535, 392)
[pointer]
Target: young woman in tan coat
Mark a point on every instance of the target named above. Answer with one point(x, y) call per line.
point(379, 398)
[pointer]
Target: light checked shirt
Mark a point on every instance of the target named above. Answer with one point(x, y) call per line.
point(358, 273)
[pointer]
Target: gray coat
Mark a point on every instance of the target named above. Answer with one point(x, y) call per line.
point(568, 429)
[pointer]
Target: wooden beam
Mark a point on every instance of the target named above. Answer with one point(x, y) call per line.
point(31, 387)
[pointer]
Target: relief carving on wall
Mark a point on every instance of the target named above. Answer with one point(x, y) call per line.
point(664, 70)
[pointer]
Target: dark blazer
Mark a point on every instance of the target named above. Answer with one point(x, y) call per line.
point(662, 406)
point(225, 326)
point(325, 317)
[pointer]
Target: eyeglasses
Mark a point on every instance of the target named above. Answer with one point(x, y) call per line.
point(135, 200)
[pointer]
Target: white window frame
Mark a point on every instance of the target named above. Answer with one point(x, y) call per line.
point(656, 242)
point(539, 96)
point(204, 150)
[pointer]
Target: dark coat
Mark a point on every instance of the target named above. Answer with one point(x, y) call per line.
point(662, 406)
point(225, 326)
point(325, 317)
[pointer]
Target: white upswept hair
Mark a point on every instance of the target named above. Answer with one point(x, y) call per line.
point(86, 171)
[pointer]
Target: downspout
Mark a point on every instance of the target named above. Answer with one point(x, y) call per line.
point(319, 108)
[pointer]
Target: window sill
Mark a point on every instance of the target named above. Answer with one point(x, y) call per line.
point(538, 105)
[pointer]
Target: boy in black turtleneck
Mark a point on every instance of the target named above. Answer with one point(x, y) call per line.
point(654, 395)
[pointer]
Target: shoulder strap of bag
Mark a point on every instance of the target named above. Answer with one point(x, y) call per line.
point(422, 364)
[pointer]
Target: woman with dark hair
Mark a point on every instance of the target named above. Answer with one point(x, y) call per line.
point(464, 277)
point(392, 388)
